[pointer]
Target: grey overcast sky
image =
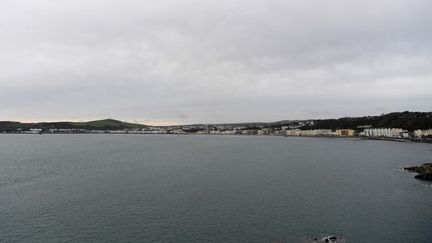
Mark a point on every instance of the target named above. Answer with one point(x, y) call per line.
point(193, 61)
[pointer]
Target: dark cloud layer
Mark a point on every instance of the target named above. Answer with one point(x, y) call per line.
point(188, 61)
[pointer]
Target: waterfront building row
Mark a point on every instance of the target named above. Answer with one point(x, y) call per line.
point(321, 132)
point(423, 133)
point(385, 132)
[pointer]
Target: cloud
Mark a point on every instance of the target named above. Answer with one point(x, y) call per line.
point(189, 61)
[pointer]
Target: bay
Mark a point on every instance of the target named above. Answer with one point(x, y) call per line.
point(192, 188)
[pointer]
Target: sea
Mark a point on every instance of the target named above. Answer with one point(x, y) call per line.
point(210, 188)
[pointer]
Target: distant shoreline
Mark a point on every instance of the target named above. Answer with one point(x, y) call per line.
point(404, 140)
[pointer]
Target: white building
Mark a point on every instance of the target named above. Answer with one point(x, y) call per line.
point(33, 131)
point(422, 133)
point(384, 132)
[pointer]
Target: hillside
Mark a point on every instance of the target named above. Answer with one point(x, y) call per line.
point(107, 124)
point(405, 120)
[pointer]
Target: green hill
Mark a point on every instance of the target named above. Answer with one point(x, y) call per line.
point(107, 124)
point(405, 120)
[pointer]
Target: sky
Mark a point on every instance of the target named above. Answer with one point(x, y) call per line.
point(201, 61)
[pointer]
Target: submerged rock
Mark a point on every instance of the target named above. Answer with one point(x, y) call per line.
point(424, 171)
point(329, 239)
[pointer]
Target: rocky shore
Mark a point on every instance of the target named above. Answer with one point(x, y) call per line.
point(424, 171)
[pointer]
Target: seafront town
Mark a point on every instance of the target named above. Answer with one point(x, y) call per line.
point(231, 129)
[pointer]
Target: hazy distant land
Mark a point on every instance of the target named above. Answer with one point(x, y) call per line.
point(405, 120)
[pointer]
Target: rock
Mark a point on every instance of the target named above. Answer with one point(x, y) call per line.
point(329, 239)
point(424, 171)
point(421, 169)
point(424, 177)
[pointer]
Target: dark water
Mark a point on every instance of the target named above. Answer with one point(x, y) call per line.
point(76, 188)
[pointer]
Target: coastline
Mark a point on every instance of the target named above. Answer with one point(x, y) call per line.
point(404, 140)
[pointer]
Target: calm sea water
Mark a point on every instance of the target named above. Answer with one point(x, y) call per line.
point(77, 188)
